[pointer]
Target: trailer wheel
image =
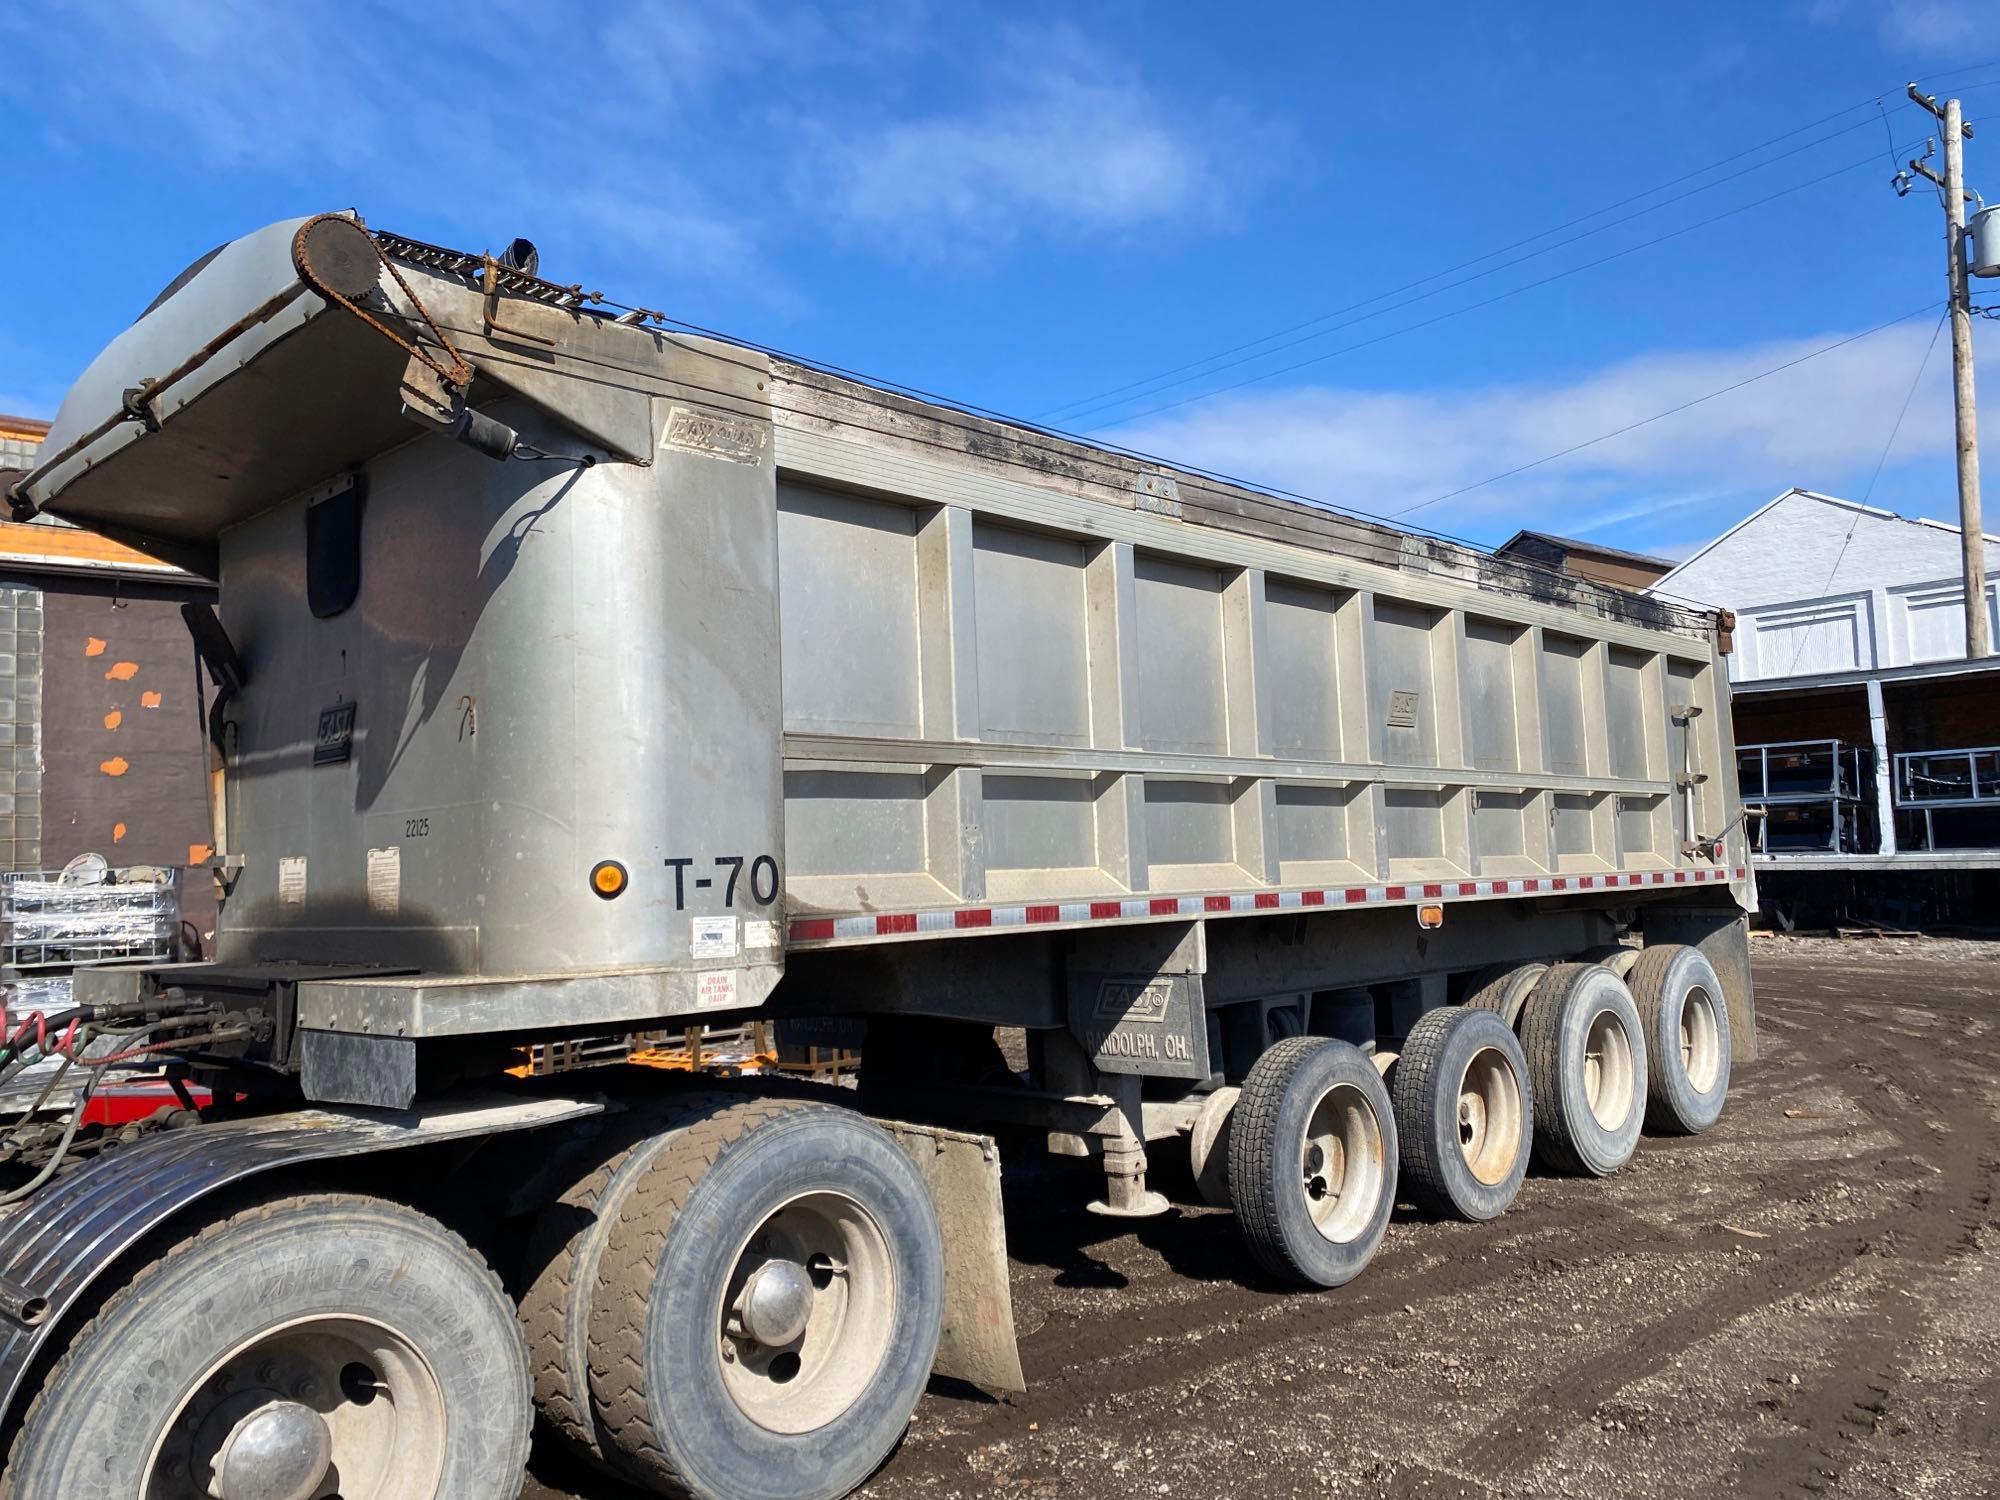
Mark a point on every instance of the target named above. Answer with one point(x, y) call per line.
point(1463, 1112)
point(308, 1346)
point(1504, 989)
point(1208, 1146)
point(1587, 1064)
point(1312, 1161)
point(1687, 1038)
point(767, 1306)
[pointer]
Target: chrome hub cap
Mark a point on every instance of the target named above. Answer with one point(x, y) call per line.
point(281, 1451)
point(807, 1314)
point(322, 1407)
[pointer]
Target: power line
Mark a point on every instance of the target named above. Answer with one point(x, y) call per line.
point(1163, 380)
point(1909, 396)
point(1589, 265)
point(1605, 437)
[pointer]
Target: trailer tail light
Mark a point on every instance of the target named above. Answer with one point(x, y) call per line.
point(608, 878)
point(1430, 915)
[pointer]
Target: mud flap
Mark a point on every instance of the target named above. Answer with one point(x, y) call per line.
point(963, 1174)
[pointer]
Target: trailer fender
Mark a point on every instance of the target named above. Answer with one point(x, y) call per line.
point(56, 1245)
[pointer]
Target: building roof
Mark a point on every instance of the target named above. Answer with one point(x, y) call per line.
point(1596, 549)
point(1835, 501)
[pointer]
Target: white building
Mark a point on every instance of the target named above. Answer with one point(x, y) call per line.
point(1822, 585)
point(1865, 734)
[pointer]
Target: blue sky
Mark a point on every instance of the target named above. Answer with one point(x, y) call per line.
point(1028, 206)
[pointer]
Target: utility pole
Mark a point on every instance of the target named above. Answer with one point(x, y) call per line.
point(1978, 641)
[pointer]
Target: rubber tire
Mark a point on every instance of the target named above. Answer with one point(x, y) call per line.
point(1504, 989)
point(91, 1429)
point(1266, 1131)
point(1661, 981)
point(1554, 1028)
point(655, 1366)
point(1424, 1087)
point(560, 1270)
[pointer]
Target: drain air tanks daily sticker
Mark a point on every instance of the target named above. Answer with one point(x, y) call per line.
point(385, 881)
point(292, 880)
point(712, 937)
point(715, 990)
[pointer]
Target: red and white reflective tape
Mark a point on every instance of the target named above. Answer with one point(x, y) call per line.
point(809, 930)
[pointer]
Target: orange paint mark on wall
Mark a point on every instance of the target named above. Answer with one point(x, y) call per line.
point(149, 699)
point(118, 833)
point(116, 766)
point(92, 646)
point(113, 719)
point(199, 854)
point(123, 671)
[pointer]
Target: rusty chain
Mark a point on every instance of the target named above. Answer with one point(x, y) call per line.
point(457, 378)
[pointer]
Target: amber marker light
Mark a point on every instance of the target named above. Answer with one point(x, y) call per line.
point(608, 878)
point(1430, 915)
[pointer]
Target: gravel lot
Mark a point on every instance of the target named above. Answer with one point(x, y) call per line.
point(1805, 1301)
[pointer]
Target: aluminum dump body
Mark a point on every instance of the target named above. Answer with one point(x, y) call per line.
point(821, 665)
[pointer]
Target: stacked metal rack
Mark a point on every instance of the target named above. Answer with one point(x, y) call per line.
point(1810, 795)
point(1958, 789)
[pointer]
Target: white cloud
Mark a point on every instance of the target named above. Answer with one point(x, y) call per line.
point(1822, 424)
point(1064, 138)
point(1914, 25)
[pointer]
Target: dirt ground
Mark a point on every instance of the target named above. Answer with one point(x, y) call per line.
point(1805, 1301)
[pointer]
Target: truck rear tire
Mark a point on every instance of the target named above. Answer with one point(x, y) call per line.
point(1312, 1161)
point(1687, 1038)
point(1464, 1116)
point(306, 1340)
point(1504, 989)
point(767, 1306)
point(1587, 1063)
point(560, 1271)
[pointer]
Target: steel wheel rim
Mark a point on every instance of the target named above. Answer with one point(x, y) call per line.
point(1701, 1040)
point(1489, 1115)
point(1609, 1076)
point(257, 1422)
point(805, 1319)
point(1341, 1164)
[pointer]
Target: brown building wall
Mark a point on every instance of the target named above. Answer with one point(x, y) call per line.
point(1618, 574)
point(124, 771)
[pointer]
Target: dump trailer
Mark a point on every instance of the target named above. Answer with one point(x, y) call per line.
point(578, 673)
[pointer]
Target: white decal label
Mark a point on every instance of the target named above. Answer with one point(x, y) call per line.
point(712, 937)
point(715, 990)
point(385, 881)
point(292, 880)
point(759, 936)
point(717, 434)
